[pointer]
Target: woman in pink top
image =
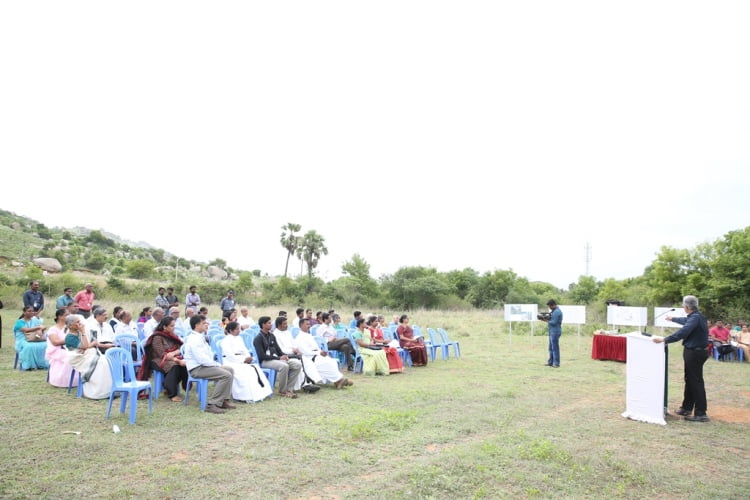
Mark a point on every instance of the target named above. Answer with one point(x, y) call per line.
point(56, 354)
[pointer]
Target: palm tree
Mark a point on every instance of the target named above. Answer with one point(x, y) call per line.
point(290, 241)
point(310, 249)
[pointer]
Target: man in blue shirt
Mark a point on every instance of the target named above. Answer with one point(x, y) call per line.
point(694, 336)
point(33, 297)
point(554, 325)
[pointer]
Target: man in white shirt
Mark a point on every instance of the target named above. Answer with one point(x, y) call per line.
point(335, 343)
point(199, 361)
point(327, 367)
point(99, 329)
point(300, 314)
point(156, 316)
point(126, 325)
point(289, 348)
point(244, 319)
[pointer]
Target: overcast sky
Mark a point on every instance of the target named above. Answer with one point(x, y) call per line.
point(490, 135)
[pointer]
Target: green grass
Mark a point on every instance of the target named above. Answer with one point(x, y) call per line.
point(494, 424)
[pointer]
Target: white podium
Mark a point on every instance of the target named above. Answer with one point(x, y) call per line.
point(645, 384)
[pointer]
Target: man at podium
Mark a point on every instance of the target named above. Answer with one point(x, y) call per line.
point(694, 336)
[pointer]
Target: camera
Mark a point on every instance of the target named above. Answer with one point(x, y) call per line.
point(544, 316)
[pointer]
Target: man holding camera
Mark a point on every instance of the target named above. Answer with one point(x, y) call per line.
point(554, 325)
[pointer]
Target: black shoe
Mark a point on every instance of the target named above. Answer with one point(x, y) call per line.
point(547, 364)
point(555, 366)
point(697, 418)
point(310, 388)
point(681, 412)
point(214, 409)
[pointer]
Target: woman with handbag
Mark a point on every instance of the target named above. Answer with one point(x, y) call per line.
point(162, 353)
point(85, 356)
point(374, 359)
point(30, 340)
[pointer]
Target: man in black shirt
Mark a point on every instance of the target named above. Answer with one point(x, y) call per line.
point(694, 336)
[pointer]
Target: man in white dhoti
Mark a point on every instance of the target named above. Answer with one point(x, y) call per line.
point(289, 347)
point(327, 367)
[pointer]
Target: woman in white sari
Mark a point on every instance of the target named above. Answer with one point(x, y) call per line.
point(84, 355)
point(250, 383)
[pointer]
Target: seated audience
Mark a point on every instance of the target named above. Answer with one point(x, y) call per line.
point(271, 356)
point(250, 383)
point(394, 359)
point(99, 328)
point(326, 367)
point(30, 353)
point(145, 315)
point(149, 326)
point(309, 374)
point(244, 319)
point(161, 351)
point(56, 354)
point(84, 356)
point(335, 343)
point(720, 336)
point(415, 346)
point(743, 341)
point(374, 359)
point(200, 363)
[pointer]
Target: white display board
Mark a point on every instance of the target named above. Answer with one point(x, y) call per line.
point(573, 315)
point(661, 313)
point(520, 312)
point(627, 316)
point(644, 386)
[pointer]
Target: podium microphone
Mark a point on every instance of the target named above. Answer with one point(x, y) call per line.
point(659, 316)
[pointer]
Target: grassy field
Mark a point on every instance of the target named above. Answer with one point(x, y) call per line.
point(494, 423)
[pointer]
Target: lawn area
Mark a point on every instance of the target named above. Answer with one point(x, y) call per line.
point(494, 423)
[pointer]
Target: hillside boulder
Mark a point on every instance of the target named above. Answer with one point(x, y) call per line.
point(216, 273)
point(48, 264)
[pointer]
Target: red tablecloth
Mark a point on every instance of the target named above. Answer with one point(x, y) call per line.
point(612, 347)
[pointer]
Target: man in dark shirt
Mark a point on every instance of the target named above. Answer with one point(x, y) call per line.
point(694, 336)
point(33, 297)
point(271, 356)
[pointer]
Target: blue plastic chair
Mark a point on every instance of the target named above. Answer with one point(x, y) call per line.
point(448, 343)
point(127, 341)
point(123, 381)
point(436, 343)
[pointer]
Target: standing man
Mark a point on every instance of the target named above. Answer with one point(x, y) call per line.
point(192, 300)
point(65, 299)
point(161, 300)
point(694, 336)
point(227, 303)
point(33, 298)
point(85, 300)
point(554, 325)
point(172, 298)
point(199, 360)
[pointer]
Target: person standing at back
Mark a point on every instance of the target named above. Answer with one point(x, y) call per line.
point(554, 325)
point(192, 299)
point(33, 297)
point(65, 299)
point(694, 336)
point(161, 299)
point(85, 300)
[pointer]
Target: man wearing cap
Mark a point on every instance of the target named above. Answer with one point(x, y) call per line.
point(554, 325)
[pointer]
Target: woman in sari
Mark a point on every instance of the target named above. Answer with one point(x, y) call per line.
point(85, 357)
point(30, 354)
point(250, 383)
point(374, 359)
point(162, 353)
point(394, 360)
point(57, 355)
point(416, 347)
